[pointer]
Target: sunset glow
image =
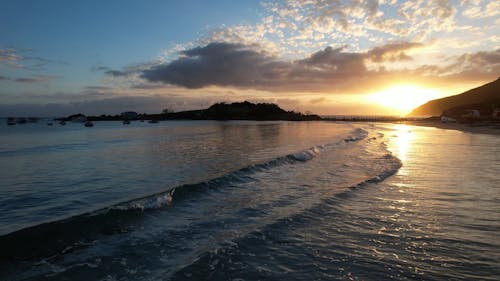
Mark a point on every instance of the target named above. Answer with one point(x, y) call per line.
point(403, 98)
point(249, 140)
point(325, 57)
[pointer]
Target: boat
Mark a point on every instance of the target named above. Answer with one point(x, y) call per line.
point(50, 123)
point(11, 121)
point(89, 124)
point(126, 122)
point(62, 123)
point(153, 121)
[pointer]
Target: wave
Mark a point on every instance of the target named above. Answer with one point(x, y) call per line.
point(359, 134)
point(58, 236)
point(261, 235)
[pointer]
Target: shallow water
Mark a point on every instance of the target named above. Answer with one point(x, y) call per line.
point(248, 200)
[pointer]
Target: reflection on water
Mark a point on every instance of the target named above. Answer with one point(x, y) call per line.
point(403, 142)
point(52, 172)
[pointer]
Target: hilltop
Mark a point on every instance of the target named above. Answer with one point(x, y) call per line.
point(483, 97)
point(241, 111)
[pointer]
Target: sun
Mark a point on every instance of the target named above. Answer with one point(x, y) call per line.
point(403, 98)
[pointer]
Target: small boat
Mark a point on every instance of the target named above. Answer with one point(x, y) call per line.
point(126, 122)
point(11, 121)
point(153, 121)
point(89, 124)
point(50, 123)
point(62, 123)
point(21, 120)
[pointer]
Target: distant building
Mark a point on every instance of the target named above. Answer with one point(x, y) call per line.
point(447, 119)
point(129, 115)
point(496, 113)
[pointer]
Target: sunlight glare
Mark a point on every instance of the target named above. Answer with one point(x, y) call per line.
point(403, 98)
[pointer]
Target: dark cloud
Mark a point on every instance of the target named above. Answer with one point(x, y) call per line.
point(97, 88)
point(29, 80)
point(335, 61)
point(127, 71)
point(480, 60)
point(330, 69)
point(97, 68)
point(477, 66)
point(221, 64)
point(225, 64)
point(392, 51)
point(147, 86)
point(116, 73)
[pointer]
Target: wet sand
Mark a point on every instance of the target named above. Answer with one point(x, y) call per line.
point(491, 129)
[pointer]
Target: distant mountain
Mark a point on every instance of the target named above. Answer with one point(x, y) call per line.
point(484, 96)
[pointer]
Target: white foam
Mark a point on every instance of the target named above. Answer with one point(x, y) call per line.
point(307, 154)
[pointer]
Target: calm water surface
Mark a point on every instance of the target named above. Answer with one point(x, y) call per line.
point(248, 201)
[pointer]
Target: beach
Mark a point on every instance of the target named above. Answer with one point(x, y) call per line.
point(491, 129)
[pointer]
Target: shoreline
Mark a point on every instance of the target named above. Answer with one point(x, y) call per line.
point(484, 129)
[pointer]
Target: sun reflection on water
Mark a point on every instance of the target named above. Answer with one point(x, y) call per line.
point(403, 142)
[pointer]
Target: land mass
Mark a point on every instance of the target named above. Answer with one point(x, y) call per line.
point(484, 99)
point(222, 111)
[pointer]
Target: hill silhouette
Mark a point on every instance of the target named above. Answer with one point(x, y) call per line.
point(241, 111)
point(483, 97)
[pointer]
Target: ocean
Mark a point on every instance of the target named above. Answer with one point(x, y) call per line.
point(244, 200)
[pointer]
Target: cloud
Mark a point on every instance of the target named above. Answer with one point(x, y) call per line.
point(392, 51)
point(30, 80)
point(116, 73)
point(22, 59)
point(476, 11)
point(328, 70)
point(98, 68)
point(480, 66)
point(97, 88)
point(10, 58)
point(293, 26)
point(237, 65)
point(222, 64)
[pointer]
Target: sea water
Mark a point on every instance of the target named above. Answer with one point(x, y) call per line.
point(243, 200)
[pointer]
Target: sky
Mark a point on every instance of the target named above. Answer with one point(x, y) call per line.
point(330, 57)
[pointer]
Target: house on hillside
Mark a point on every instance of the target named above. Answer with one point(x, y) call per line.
point(447, 119)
